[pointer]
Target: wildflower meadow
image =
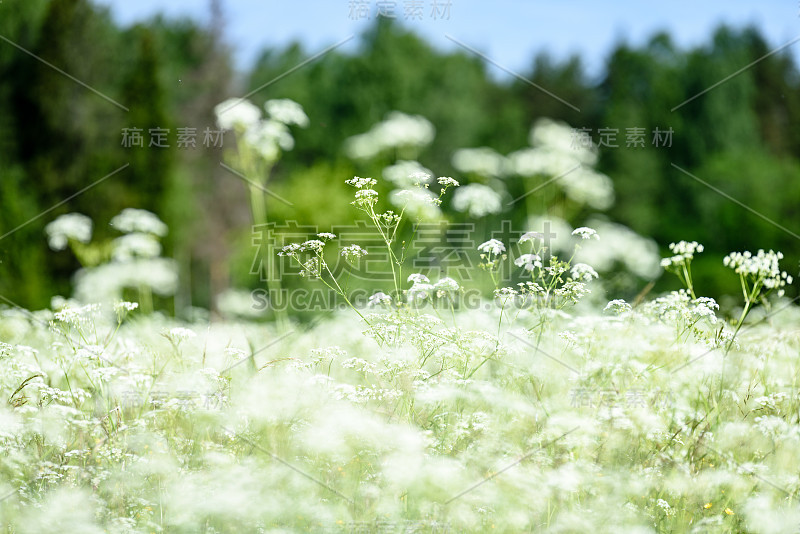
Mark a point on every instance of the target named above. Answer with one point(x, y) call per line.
point(538, 404)
point(391, 337)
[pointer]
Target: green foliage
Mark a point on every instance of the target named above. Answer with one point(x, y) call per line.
point(57, 137)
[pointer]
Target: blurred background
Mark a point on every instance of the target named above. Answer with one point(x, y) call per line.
point(483, 74)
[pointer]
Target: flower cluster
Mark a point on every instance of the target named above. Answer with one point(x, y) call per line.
point(129, 261)
point(422, 288)
point(353, 252)
point(761, 269)
point(266, 136)
point(446, 181)
point(529, 262)
point(72, 226)
point(617, 306)
point(585, 233)
point(379, 299)
point(684, 252)
point(398, 131)
point(477, 200)
point(287, 112)
point(405, 174)
point(493, 247)
point(553, 153)
point(481, 161)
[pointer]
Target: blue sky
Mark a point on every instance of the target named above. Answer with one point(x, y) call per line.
point(508, 31)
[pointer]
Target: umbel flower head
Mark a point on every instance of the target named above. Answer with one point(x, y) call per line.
point(418, 202)
point(761, 269)
point(477, 200)
point(236, 112)
point(378, 299)
point(286, 111)
point(529, 261)
point(493, 252)
point(397, 131)
point(266, 136)
point(585, 232)
point(353, 252)
point(75, 226)
point(137, 220)
point(493, 246)
point(361, 183)
point(366, 197)
point(446, 286)
point(418, 278)
point(683, 251)
point(482, 161)
point(583, 272)
point(135, 245)
point(403, 174)
point(530, 237)
point(446, 181)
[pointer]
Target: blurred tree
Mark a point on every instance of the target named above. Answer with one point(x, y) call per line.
point(143, 93)
point(57, 136)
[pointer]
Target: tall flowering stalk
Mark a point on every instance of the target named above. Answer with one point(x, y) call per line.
point(680, 263)
point(260, 143)
point(387, 223)
point(759, 276)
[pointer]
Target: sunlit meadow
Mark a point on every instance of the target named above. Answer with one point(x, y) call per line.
point(547, 404)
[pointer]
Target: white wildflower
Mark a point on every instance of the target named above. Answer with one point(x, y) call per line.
point(353, 252)
point(446, 181)
point(477, 200)
point(236, 112)
point(505, 292)
point(124, 306)
point(401, 130)
point(135, 245)
point(585, 233)
point(314, 245)
point(268, 138)
point(404, 174)
point(529, 261)
point(361, 183)
point(74, 226)
point(445, 286)
point(617, 306)
point(420, 291)
point(106, 282)
point(684, 252)
point(136, 220)
point(418, 278)
point(179, 333)
point(418, 202)
point(493, 246)
point(290, 250)
point(481, 161)
point(398, 130)
point(583, 272)
point(530, 237)
point(286, 111)
point(366, 198)
point(762, 268)
point(378, 299)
